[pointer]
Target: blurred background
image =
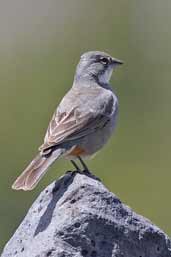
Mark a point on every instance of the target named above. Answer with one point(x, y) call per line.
point(40, 44)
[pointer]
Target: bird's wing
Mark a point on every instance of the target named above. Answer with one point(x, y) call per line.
point(74, 125)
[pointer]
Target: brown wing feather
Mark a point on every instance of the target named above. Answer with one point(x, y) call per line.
point(70, 128)
point(73, 125)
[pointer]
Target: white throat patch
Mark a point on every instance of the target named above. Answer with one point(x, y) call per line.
point(105, 77)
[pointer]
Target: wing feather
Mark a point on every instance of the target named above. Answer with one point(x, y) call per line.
point(71, 128)
point(75, 124)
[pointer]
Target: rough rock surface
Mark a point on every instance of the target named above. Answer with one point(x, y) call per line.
point(77, 216)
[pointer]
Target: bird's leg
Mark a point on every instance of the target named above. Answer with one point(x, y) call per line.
point(76, 166)
point(86, 170)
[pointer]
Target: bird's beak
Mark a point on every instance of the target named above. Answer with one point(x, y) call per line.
point(116, 61)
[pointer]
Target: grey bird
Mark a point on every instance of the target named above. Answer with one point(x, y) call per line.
point(82, 123)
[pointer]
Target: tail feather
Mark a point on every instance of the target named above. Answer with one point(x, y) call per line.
point(35, 171)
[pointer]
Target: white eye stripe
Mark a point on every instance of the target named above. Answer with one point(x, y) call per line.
point(105, 60)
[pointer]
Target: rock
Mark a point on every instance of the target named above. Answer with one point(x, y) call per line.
point(77, 216)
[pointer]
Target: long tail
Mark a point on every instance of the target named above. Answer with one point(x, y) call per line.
point(35, 171)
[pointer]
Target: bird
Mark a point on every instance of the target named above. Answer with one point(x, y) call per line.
point(83, 121)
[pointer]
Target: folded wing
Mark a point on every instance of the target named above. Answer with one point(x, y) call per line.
point(74, 125)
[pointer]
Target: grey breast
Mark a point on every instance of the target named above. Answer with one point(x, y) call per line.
point(94, 142)
point(97, 101)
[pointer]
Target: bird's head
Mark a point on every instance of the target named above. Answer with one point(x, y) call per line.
point(96, 65)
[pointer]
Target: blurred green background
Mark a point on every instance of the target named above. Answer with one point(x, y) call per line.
point(40, 44)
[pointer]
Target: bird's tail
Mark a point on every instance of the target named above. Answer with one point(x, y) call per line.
point(35, 171)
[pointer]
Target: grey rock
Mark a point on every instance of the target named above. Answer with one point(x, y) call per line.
point(77, 216)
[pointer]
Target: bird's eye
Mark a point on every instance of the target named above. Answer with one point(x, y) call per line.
point(104, 60)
